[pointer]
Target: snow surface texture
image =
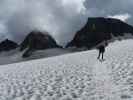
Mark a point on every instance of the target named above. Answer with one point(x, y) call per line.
point(78, 76)
point(14, 56)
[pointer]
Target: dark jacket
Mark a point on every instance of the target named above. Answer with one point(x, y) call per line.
point(101, 48)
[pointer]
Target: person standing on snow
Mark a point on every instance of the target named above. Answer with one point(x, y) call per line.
point(101, 49)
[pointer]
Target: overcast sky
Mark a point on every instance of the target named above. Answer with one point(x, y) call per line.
point(61, 18)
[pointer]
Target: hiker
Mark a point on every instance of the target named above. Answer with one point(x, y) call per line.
point(101, 49)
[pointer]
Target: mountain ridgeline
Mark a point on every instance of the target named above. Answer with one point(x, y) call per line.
point(99, 29)
point(95, 31)
point(37, 40)
point(8, 45)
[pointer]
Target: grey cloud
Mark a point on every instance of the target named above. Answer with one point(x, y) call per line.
point(61, 18)
point(109, 7)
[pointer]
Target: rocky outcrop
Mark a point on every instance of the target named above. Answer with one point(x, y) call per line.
point(99, 29)
point(7, 45)
point(37, 40)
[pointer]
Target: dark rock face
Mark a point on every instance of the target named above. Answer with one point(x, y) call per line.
point(8, 45)
point(37, 41)
point(99, 29)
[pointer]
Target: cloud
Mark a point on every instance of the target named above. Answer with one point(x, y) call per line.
point(123, 17)
point(105, 8)
point(61, 18)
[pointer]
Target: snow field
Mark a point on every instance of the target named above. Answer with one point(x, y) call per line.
point(77, 76)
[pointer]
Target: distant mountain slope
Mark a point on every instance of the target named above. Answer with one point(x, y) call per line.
point(7, 45)
point(99, 29)
point(37, 40)
point(15, 56)
point(77, 76)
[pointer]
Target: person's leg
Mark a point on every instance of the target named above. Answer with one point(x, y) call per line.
point(98, 55)
point(102, 55)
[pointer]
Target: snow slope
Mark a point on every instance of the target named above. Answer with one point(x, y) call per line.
point(14, 56)
point(77, 76)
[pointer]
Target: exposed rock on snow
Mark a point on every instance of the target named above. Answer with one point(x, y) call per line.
point(99, 29)
point(7, 45)
point(37, 40)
